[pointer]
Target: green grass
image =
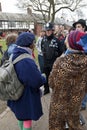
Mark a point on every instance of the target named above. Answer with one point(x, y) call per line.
point(3, 44)
point(4, 47)
point(36, 55)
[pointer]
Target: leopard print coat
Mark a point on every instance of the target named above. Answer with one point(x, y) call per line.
point(68, 80)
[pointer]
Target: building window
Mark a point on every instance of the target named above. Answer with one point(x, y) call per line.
point(0, 23)
point(11, 24)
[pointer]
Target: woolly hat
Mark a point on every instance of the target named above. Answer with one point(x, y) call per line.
point(83, 42)
point(25, 39)
point(73, 39)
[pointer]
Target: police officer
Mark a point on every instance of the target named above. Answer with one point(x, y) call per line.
point(51, 49)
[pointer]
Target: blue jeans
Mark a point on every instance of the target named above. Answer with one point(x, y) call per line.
point(84, 101)
point(41, 63)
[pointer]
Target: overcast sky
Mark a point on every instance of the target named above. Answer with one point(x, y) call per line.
point(10, 6)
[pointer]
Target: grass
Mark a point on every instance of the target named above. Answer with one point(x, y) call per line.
point(36, 55)
point(3, 44)
point(4, 47)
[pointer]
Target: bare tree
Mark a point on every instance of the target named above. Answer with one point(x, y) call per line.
point(79, 13)
point(49, 8)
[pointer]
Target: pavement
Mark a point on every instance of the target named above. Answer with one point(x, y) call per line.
point(9, 122)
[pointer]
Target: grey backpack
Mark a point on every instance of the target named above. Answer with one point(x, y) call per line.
point(10, 87)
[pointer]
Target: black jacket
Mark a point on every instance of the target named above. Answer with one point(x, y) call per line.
point(51, 48)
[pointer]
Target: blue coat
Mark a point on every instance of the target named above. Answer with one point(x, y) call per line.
point(28, 107)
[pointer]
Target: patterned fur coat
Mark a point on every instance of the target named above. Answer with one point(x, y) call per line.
point(68, 80)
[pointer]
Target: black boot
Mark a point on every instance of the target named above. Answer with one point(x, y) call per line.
point(82, 121)
point(46, 86)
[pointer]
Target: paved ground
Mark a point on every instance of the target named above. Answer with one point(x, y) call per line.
point(9, 122)
point(3, 106)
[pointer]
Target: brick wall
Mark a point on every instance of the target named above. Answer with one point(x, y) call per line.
point(38, 28)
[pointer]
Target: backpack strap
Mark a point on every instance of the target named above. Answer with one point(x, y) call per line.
point(22, 56)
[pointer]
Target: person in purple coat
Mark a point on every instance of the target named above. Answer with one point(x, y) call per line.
point(28, 107)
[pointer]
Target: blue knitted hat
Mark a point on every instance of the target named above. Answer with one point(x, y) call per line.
point(25, 39)
point(83, 43)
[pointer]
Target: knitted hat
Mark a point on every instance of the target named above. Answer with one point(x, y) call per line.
point(74, 38)
point(25, 39)
point(83, 42)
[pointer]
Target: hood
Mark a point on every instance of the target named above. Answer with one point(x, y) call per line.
point(20, 50)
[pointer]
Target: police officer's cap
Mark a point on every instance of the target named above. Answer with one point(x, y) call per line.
point(49, 26)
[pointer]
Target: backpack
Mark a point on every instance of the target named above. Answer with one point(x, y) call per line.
point(10, 86)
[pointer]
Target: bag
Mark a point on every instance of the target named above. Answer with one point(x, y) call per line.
point(10, 87)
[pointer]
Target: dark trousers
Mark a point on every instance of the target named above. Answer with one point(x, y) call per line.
point(47, 73)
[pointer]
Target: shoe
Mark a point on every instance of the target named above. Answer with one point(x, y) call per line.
point(82, 121)
point(83, 109)
point(46, 92)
